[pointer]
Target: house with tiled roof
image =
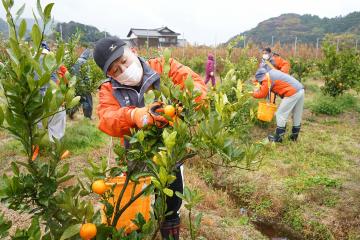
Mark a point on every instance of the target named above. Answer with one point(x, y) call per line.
point(158, 37)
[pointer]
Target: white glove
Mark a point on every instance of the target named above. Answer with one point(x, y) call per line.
point(211, 73)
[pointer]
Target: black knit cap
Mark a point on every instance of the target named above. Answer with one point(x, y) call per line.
point(107, 50)
point(267, 49)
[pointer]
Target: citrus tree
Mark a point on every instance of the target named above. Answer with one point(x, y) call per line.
point(340, 69)
point(202, 128)
point(88, 76)
point(34, 184)
point(235, 82)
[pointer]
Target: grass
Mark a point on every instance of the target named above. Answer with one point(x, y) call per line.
point(222, 219)
point(83, 136)
point(334, 106)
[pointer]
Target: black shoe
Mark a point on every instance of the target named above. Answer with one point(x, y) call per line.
point(170, 229)
point(295, 133)
point(278, 136)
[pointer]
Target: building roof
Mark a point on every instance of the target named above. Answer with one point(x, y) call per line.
point(157, 32)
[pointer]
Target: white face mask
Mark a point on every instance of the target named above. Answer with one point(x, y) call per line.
point(132, 75)
point(266, 56)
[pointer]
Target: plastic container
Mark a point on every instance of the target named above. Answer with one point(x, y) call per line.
point(141, 205)
point(266, 111)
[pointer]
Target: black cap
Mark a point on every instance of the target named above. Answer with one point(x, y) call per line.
point(267, 49)
point(107, 50)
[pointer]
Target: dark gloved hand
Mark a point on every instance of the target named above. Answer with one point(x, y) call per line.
point(155, 109)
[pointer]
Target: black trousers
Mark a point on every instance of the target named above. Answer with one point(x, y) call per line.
point(87, 105)
point(174, 203)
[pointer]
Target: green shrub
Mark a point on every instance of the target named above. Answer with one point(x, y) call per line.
point(334, 105)
point(197, 64)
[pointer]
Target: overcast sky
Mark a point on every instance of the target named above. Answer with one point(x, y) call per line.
point(201, 21)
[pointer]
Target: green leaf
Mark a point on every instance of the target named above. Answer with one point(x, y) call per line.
point(60, 53)
point(12, 56)
point(167, 55)
point(165, 91)
point(171, 179)
point(71, 231)
point(198, 220)
point(34, 230)
point(135, 177)
point(180, 195)
point(63, 171)
point(47, 12)
point(64, 179)
point(189, 83)
point(149, 97)
point(15, 168)
point(20, 12)
point(14, 45)
point(74, 102)
point(5, 225)
point(170, 140)
point(10, 3)
point(163, 176)
point(140, 136)
point(22, 28)
point(168, 192)
point(50, 61)
point(39, 9)
point(69, 96)
point(2, 116)
point(45, 78)
point(36, 35)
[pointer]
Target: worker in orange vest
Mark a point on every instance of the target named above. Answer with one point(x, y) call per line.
point(121, 103)
point(272, 60)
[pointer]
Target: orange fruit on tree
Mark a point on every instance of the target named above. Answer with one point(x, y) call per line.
point(99, 187)
point(88, 231)
point(35, 152)
point(169, 110)
point(65, 154)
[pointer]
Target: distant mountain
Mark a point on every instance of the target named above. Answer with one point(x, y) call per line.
point(29, 24)
point(90, 34)
point(307, 28)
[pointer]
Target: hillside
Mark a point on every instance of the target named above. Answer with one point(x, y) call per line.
point(307, 28)
point(90, 33)
point(29, 23)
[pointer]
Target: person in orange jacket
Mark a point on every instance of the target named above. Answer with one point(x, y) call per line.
point(292, 93)
point(121, 102)
point(273, 60)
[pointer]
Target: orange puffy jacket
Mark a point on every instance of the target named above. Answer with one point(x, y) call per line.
point(281, 64)
point(280, 83)
point(115, 120)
